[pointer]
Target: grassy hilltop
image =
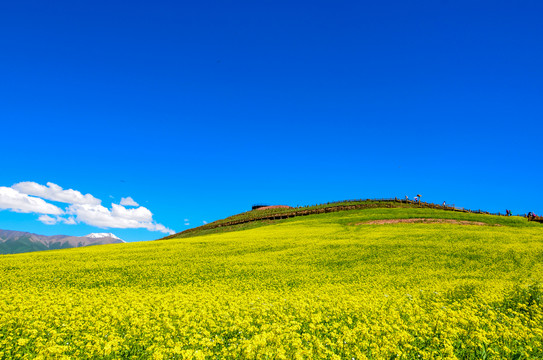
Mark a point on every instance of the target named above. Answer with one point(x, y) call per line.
point(336, 285)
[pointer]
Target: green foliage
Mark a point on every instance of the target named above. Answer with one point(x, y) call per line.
point(370, 210)
point(21, 245)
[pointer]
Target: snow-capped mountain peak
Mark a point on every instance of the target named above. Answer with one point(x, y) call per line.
point(102, 235)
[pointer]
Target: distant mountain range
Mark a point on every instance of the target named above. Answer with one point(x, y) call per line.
point(12, 242)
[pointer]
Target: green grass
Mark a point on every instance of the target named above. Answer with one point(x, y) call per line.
point(395, 211)
point(255, 215)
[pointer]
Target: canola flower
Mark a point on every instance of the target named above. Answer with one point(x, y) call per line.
point(313, 288)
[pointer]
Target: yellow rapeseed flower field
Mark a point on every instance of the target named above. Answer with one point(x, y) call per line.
point(317, 287)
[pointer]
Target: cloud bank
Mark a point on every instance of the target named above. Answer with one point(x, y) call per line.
point(11, 199)
point(28, 197)
point(128, 201)
point(49, 220)
point(55, 193)
point(116, 217)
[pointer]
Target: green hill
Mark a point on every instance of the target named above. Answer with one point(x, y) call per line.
point(352, 284)
point(257, 218)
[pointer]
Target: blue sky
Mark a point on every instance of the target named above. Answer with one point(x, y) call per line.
point(197, 110)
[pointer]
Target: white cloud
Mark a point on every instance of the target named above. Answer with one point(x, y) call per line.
point(140, 214)
point(48, 220)
point(118, 217)
point(186, 220)
point(69, 221)
point(162, 228)
point(128, 201)
point(13, 200)
point(205, 222)
point(83, 208)
point(55, 193)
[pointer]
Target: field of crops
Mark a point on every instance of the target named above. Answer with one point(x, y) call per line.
point(316, 287)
